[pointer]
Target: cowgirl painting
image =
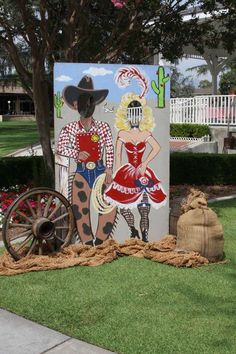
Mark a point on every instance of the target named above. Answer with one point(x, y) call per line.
point(135, 184)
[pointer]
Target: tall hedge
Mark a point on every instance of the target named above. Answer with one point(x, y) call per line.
point(23, 170)
point(202, 168)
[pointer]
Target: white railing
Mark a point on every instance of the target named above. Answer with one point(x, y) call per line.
point(210, 110)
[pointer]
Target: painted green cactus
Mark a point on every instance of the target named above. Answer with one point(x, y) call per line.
point(58, 103)
point(159, 87)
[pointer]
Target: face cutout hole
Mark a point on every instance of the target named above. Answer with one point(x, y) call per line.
point(86, 105)
point(134, 113)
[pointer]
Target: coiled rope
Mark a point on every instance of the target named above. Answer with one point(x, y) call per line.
point(97, 196)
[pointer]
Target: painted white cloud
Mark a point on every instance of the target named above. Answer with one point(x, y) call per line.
point(97, 71)
point(63, 78)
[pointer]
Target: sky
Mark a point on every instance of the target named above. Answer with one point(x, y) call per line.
point(188, 63)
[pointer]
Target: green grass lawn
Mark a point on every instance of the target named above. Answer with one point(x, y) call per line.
point(17, 135)
point(135, 305)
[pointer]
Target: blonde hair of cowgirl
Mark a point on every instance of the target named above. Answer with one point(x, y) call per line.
point(121, 122)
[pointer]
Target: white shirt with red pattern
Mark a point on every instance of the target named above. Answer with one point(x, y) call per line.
point(73, 133)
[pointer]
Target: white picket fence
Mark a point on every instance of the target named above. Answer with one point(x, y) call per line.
point(210, 110)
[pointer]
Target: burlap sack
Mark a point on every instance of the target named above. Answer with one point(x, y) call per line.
point(199, 230)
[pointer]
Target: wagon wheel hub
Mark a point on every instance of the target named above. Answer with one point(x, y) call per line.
point(43, 228)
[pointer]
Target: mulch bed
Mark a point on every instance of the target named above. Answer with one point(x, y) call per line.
point(181, 191)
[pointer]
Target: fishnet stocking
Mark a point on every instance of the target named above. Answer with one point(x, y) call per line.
point(144, 210)
point(128, 215)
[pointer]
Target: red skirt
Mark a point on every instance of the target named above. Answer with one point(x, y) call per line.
point(128, 186)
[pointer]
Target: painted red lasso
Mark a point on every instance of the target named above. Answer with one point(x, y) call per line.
point(124, 75)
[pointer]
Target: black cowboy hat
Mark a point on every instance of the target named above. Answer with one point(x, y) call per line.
point(71, 93)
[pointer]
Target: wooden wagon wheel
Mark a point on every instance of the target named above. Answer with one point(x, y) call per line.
point(39, 221)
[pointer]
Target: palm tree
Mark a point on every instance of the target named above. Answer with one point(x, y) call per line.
point(214, 65)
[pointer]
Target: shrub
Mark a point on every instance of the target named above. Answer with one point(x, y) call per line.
point(189, 130)
point(202, 168)
point(23, 170)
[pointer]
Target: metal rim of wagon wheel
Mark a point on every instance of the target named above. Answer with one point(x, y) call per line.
point(39, 221)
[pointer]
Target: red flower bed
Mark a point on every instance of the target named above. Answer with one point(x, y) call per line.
point(7, 197)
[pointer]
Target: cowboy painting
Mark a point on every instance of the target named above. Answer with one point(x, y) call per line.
point(86, 140)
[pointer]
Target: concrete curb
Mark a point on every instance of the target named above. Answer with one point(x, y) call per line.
point(219, 199)
point(26, 150)
point(31, 150)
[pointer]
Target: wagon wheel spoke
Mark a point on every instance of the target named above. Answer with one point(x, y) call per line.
point(40, 243)
point(26, 233)
point(61, 227)
point(39, 207)
point(31, 209)
point(46, 210)
point(55, 210)
point(24, 243)
point(25, 226)
point(50, 245)
point(33, 244)
point(59, 238)
point(60, 217)
point(24, 216)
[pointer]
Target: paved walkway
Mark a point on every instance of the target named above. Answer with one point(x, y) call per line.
point(21, 336)
point(31, 150)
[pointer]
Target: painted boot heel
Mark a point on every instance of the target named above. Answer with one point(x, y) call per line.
point(134, 232)
point(145, 235)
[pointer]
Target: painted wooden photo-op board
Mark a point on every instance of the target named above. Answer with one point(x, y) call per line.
point(112, 149)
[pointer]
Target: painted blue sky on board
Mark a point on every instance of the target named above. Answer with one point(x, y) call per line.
point(103, 78)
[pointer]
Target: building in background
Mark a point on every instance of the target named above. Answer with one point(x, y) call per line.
point(15, 101)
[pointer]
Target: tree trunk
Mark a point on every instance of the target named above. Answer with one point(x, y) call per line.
point(214, 83)
point(42, 113)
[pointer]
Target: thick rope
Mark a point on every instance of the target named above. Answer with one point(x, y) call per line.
point(162, 251)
